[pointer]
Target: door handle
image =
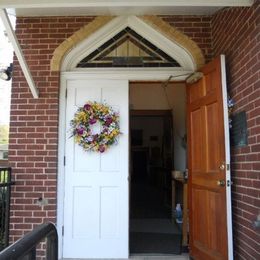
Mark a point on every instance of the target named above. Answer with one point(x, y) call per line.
point(221, 183)
point(222, 166)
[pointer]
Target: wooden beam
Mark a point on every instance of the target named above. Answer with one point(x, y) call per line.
point(118, 3)
point(18, 51)
point(117, 7)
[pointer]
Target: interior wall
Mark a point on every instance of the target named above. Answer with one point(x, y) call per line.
point(151, 127)
point(151, 96)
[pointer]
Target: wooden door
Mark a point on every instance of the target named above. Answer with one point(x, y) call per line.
point(96, 184)
point(208, 160)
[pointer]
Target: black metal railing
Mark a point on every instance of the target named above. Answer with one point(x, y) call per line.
point(25, 248)
point(5, 196)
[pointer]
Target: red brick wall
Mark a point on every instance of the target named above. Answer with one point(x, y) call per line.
point(198, 28)
point(235, 33)
point(34, 122)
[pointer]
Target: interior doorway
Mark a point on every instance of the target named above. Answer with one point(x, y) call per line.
point(153, 229)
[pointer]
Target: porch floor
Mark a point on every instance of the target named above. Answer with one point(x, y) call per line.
point(143, 257)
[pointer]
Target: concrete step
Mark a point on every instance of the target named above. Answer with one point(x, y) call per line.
point(141, 257)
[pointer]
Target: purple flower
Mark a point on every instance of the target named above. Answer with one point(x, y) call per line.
point(102, 148)
point(80, 131)
point(87, 106)
point(230, 102)
point(108, 121)
point(92, 121)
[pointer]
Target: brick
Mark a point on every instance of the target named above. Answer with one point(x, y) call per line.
point(226, 28)
point(23, 226)
point(39, 214)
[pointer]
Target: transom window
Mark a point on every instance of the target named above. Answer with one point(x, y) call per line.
point(128, 49)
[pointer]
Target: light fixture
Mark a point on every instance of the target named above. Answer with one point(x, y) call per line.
point(6, 73)
point(194, 77)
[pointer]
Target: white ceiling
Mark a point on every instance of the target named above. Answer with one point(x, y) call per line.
point(117, 7)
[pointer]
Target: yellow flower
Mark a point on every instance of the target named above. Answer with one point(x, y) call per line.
point(81, 117)
point(77, 139)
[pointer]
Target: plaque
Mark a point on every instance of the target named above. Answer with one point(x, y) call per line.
point(238, 132)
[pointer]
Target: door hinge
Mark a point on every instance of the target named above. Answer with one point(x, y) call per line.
point(228, 166)
point(62, 231)
point(64, 160)
point(66, 93)
point(229, 183)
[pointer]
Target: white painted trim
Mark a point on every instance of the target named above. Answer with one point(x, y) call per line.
point(98, 74)
point(61, 167)
point(119, 3)
point(227, 157)
point(90, 44)
point(19, 53)
point(130, 74)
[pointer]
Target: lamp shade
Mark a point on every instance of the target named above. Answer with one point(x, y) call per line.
point(6, 74)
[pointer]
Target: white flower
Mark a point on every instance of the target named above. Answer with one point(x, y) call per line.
point(90, 138)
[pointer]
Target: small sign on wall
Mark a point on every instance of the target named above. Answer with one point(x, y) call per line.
point(238, 132)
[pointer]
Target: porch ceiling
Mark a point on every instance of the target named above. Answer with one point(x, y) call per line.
point(117, 7)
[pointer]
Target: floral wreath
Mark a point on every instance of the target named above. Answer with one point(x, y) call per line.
point(87, 116)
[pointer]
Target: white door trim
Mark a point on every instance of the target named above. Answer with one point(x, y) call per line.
point(129, 74)
point(156, 75)
point(227, 157)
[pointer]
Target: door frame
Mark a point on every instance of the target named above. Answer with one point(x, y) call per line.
point(130, 75)
point(127, 74)
point(227, 157)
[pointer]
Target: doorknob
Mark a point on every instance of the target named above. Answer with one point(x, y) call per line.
point(222, 166)
point(221, 183)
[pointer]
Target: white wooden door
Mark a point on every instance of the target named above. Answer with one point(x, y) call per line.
point(96, 184)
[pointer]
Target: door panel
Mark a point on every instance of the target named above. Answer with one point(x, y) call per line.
point(207, 139)
point(196, 121)
point(96, 185)
point(83, 222)
point(212, 142)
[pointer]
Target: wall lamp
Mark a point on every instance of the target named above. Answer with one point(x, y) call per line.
point(194, 77)
point(6, 73)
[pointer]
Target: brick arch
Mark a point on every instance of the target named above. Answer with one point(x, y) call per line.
point(176, 36)
point(155, 22)
point(76, 38)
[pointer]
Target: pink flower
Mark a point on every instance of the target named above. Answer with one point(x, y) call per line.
point(102, 148)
